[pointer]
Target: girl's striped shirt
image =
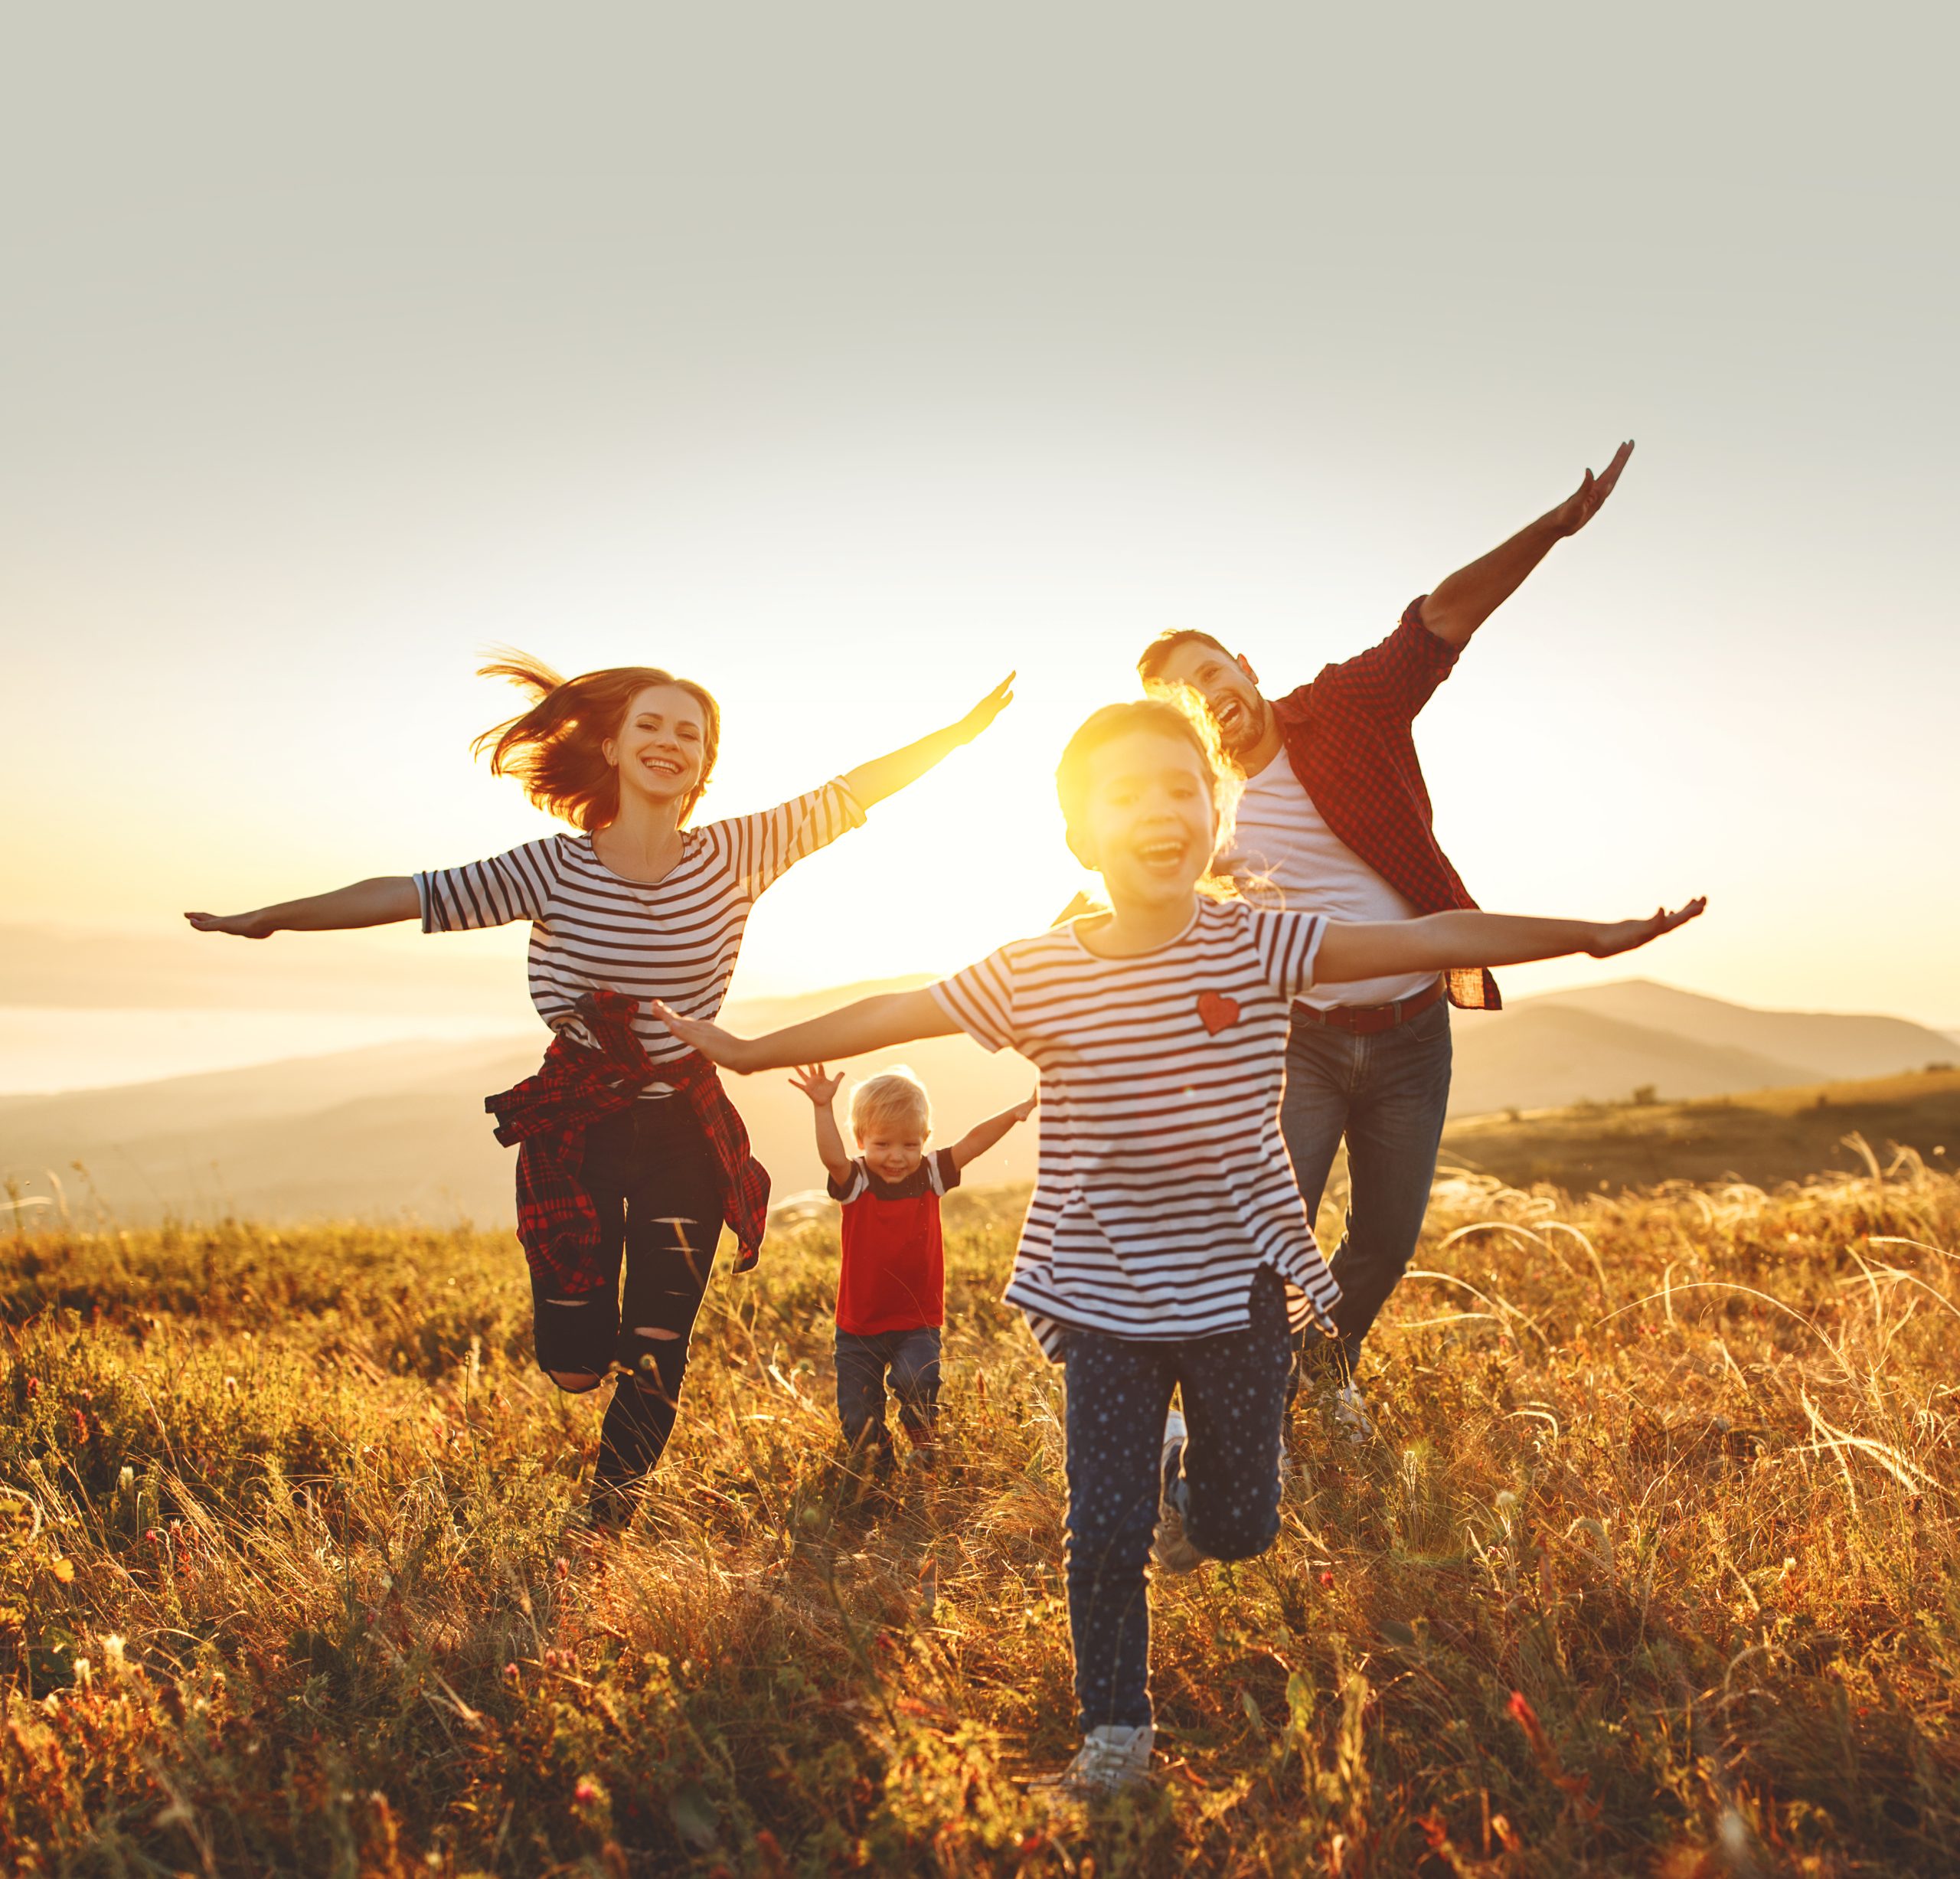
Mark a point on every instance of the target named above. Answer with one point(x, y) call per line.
point(675, 940)
point(1164, 1183)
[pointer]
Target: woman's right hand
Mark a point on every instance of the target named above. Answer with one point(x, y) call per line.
point(256, 925)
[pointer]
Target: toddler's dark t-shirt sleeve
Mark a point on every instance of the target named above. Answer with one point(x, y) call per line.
point(948, 1169)
point(850, 1187)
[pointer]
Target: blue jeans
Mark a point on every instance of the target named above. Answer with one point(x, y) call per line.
point(1227, 1481)
point(913, 1358)
point(1387, 1093)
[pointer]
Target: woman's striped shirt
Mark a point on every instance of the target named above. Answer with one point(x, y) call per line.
point(1164, 1183)
point(675, 940)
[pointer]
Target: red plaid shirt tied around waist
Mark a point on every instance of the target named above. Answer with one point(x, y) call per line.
point(546, 1116)
point(1349, 736)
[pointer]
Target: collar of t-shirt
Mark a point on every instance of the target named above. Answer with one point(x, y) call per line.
point(909, 1188)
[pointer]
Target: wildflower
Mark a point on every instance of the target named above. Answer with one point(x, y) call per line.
point(512, 1676)
point(588, 1793)
point(1327, 1581)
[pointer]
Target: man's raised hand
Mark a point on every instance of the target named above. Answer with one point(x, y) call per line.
point(1623, 936)
point(1582, 504)
point(820, 1090)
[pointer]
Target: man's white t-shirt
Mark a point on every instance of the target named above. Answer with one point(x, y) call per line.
point(1283, 849)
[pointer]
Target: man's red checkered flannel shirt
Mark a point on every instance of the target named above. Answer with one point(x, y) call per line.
point(547, 1115)
point(1348, 735)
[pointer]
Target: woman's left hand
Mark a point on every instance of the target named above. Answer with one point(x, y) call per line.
point(989, 708)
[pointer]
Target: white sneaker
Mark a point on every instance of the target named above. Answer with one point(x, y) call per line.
point(1111, 1760)
point(1173, 1552)
point(1351, 1416)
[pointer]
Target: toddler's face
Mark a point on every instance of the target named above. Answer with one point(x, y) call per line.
point(891, 1149)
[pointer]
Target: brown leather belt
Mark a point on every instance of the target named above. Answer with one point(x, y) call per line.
point(1365, 1019)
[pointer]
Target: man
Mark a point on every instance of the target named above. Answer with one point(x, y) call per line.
point(1336, 817)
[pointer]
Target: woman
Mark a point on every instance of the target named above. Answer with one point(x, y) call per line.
point(637, 906)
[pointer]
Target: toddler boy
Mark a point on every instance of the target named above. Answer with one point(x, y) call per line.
point(891, 1283)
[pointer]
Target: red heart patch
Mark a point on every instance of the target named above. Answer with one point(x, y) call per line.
point(1219, 1012)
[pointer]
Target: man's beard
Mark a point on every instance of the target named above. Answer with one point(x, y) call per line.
point(1248, 727)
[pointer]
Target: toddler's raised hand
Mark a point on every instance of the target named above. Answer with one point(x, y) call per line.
point(820, 1089)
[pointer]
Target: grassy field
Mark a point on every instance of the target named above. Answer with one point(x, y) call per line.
point(1766, 1136)
point(1654, 1571)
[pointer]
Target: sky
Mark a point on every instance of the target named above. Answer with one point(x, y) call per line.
point(846, 360)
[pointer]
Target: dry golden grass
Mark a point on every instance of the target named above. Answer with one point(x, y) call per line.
point(1653, 1571)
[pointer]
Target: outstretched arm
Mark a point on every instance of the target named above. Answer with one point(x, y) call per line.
point(886, 776)
point(821, 1089)
point(373, 903)
point(1468, 597)
point(982, 1135)
point(870, 1025)
point(1441, 941)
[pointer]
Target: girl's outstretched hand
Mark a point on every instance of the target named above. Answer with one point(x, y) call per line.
point(716, 1045)
point(1623, 936)
point(253, 926)
point(989, 708)
point(1021, 1111)
point(820, 1090)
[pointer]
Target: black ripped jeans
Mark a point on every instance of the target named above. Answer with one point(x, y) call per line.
point(653, 1178)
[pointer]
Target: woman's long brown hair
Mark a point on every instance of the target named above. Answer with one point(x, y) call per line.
point(556, 749)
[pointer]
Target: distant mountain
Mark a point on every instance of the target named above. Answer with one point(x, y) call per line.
point(1537, 1055)
point(400, 1128)
point(1826, 1045)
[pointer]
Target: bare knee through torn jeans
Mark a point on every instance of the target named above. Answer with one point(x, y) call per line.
point(653, 1181)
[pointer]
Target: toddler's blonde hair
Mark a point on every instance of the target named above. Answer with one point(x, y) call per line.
point(895, 1095)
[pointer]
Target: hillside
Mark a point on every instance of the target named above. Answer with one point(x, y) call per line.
point(399, 1130)
point(1764, 1138)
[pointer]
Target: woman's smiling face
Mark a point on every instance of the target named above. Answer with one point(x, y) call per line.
point(659, 749)
point(1149, 822)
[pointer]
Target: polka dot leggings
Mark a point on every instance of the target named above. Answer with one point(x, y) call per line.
point(1234, 1388)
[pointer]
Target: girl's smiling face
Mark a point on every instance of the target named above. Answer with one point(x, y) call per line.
point(1147, 820)
point(660, 750)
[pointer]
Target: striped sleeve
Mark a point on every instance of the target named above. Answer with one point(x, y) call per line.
point(1289, 945)
point(513, 886)
point(850, 1186)
point(759, 850)
point(980, 1000)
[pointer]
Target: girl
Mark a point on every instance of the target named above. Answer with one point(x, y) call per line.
point(1165, 1249)
point(638, 905)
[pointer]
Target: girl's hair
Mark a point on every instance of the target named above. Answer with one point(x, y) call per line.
point(556, 750)
point(895, 1095)
point(1173, 711)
